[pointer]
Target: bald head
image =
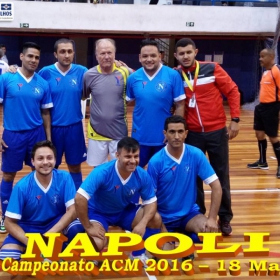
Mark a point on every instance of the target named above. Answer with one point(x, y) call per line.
point(267, 57)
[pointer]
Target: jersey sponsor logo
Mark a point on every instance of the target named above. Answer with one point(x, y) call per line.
point(118, 79)
point(57, 80)
point(144, 83)
point(19, 86)
point(161, 86)
point(187, 168)
point(55, 199)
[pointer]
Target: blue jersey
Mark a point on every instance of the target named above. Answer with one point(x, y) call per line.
point(33, 204)
point(108, 193)
point(175, 180)
point(23, 100)
point(66, 91)
point(154, 97)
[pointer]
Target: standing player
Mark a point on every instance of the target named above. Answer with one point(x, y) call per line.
point(154, 87)
point(66, 82)
point(41, 202)
point(106, 84)
point(104, 198)
point(174, 170)
point(26, 102)
point(266, 115)
point(205, 82)
point(4, 67)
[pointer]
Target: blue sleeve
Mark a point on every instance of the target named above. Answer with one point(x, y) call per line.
point(69, 190)
point(129, 87)
point(205, 169)
point(46, 101)
point(148, 187)
point(16, 203)
point(152, 171)
point(178, 86)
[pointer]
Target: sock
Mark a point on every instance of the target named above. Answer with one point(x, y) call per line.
point(149, 232)
point(10, 253)
point(77, 178)
point(194, 237)
point(6, 190)
point(276, 148)
point(262, 149)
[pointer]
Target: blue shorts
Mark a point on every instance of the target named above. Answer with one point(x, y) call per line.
point(180, 225)
point(146, 152)
point(20, 144)
point(71, 141)
point(32, 229)
point(123, 219)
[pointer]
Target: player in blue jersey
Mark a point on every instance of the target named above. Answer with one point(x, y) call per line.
point(26, 102)
point(41, 202)
point(155, 88)
point(104, 198)
point(174, 170)
point(66, 83)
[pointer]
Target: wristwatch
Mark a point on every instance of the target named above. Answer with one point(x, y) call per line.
point(237, 120)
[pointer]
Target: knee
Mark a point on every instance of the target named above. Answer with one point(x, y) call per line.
point(260, 135)
point(74, 168)
point(155, 222)
point(9, 176)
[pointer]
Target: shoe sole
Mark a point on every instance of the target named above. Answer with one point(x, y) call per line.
point(226, 234)
point(258, 167)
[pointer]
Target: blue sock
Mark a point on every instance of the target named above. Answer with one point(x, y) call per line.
point(194, 237)
point(10, 253)
point(6, 190)
point(149, 232)
point(77, 178)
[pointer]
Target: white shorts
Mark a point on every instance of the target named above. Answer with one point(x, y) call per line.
point(98, 151)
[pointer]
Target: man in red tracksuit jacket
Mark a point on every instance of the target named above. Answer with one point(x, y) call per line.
point(205, 83)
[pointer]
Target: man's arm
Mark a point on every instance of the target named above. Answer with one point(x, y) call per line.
point(66, 219)
point(149, 211)
point(15, 230)
point(93, 230)
point(216, 196)
point(46, 116)
point(180, 108)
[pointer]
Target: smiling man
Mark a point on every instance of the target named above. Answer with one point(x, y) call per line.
point(104, 198)
point(66, 85)
point(174, 170)
point(41, 202)
point(155, 88)
point(26, 102)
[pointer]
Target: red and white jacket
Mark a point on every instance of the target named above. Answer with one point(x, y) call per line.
point(208, 113)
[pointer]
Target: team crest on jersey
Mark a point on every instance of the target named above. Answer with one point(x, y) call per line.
point(161, 86)
point(132, 192)
point(57, 80)
point(118, 79)
point(73, 82)
point(144, 83)
point(55, 199)
point(19, 86)
point(37, 91)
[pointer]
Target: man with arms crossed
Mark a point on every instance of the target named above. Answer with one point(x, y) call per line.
point(26, 102)
point(41, 202)
point(204, 83)
point(66, 85)
point(155, 88)
point(266, 115)
point(104, 198)
point(106, 84)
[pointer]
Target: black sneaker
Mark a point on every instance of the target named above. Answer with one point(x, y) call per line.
point(278, 172)
point(225, 228)
point(258, 165)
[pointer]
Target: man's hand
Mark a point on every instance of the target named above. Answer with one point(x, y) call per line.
point(120, 63)
point(233, 130)
point(96, 230)
point(3, 144)
point(211, 225)
point(139, 229)
point(12, 69)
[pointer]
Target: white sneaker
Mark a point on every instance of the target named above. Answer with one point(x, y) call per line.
point(2, 226)
point(143, 258)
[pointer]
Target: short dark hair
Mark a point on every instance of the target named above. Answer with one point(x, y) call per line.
point(129, 144)
point(174, 119)
point(149, 42)
point(62, 41)
point(30, 45)
point(185, 42)
point(2, 46)
point(42, 144)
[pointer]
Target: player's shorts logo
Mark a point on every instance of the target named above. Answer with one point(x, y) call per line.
point(161, 86)
point(55, 199)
